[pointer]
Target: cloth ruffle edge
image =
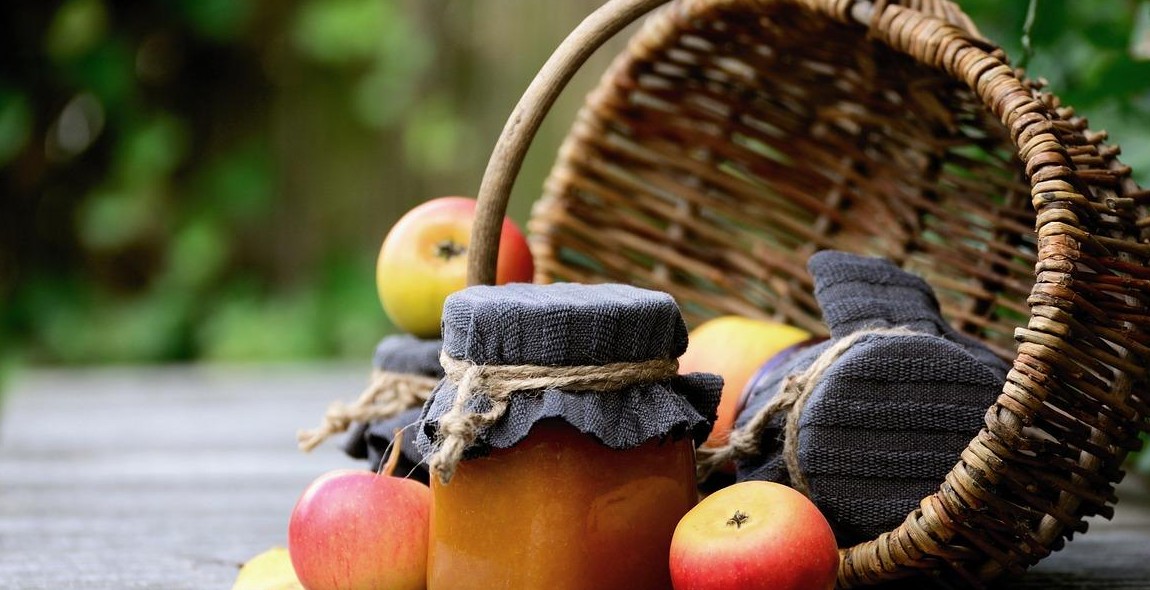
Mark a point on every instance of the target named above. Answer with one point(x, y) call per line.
point(682, 406)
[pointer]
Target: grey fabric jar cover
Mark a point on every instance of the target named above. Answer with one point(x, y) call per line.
point(400, 353)
point(564, 325)
point(889, 417)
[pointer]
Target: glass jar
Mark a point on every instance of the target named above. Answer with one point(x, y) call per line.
point(561, 511)
point(561, 439)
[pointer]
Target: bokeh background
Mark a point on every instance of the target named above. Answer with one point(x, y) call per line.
point(189, 180)
point(210, 180)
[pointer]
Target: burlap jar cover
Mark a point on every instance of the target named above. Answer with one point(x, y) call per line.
point(600, 357)
point(868, 422)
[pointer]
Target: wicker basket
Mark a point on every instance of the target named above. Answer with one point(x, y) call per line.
point(733, 138)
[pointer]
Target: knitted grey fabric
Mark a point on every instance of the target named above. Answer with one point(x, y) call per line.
point(568, 324)
point(890, 417)
point(401, 353)
point(857, 292)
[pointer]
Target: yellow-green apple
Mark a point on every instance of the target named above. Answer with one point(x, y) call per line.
point(270, 570)
point(734, 347)
point(754, 535)
point(359, 530)
point(424, 259)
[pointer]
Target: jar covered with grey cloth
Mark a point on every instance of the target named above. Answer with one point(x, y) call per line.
point(561, 438)
point(571, 325)
point(400, 361)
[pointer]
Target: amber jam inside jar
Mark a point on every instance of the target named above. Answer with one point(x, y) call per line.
point(561, 511)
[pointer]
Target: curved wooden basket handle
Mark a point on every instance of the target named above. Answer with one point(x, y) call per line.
point(507, 156)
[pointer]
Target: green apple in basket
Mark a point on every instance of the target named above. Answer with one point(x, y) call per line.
point(424, 259)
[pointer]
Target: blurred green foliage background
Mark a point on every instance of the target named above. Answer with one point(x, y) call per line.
point(211, 179)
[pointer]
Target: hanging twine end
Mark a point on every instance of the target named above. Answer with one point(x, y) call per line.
point(337, 419)
point(386, 395)
point(446, 459)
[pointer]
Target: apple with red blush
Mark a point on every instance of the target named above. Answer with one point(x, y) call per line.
point(361, 530)
point(754, 535)
point(423, 259)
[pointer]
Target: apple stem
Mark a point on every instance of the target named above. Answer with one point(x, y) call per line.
point(388, 468)
point(739, 519)
point(448, 249)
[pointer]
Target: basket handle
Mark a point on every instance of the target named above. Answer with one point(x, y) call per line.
point(507, 156)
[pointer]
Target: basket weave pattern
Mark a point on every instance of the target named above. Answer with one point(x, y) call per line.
point(734, 138)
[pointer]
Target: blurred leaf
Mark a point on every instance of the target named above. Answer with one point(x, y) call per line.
point(403, 55)
point(386, 95)
point(130, 204)
point(152, 150)
point(337, 313)
point(339, 31)
point(197, 255)
point(238, 184)
point(15, 124)
point(254, 327)
point(1110, 29)
point(75, 28)
point(1064, 64)
point(1122, 77)
point(432, 136)
point(141, 329)
point(218, 20)
point(382, 99)
point(374, 33)
point(113, 219)
point(350, 306)
point(108, 71)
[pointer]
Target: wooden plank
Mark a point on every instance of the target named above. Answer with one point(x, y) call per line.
point(168, 479)
point(164, 479)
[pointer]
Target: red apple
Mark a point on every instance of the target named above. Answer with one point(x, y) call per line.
point(358, 530)
point(734, 347)
point(424, 259)
point(754, 535)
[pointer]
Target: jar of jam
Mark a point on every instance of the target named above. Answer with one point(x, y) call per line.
point(406, 369)
point(561, 441)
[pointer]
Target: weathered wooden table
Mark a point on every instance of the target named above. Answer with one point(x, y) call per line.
point(168, 479)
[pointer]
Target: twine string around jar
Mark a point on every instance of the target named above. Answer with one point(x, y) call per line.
point(459, 427)
point(789, 402)
point(388, 394)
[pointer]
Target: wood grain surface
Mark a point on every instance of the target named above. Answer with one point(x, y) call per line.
point(170, 478)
